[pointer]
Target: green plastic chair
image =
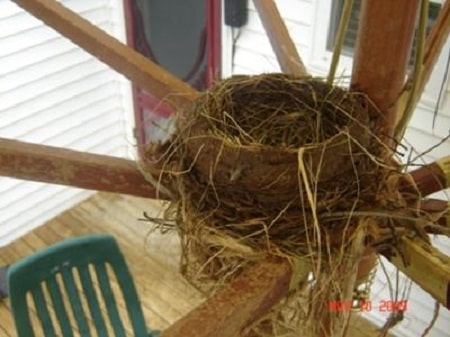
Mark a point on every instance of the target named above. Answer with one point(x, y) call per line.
point(56, 269)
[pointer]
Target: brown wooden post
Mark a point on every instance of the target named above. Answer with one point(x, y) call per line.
point(383, 47)
point(382, 51)
point(282, 44)
point(379, 67)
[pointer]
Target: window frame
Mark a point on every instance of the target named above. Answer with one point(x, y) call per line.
point(321, 56)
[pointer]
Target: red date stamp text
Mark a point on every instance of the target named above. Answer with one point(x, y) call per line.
point(381, 306)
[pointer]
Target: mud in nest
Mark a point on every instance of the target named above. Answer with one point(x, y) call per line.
point(278, 165)
point(244, 134)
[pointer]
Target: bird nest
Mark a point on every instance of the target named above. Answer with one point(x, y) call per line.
point(278, 165)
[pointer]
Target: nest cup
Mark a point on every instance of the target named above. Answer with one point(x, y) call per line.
point(245, 134)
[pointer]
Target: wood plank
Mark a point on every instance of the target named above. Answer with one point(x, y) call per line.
point(425, 265)
point(240, 304)
point(7, 327)
point(137, 68)
point(375, 71)
point(72, 168)
point(282, 44)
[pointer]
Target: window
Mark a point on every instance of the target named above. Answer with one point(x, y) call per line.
point(350, 37)
point(352, 29)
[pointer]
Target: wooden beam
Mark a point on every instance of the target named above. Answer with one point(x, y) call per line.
point(430, 178)
point(72, 168)
point(138, 69)
point(425, 265)
point(439, 211)
point(238, 305)
point(231, 311)
point(382, 51)
point(282, 44)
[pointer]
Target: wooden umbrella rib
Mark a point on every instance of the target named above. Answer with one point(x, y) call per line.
point(138, 69)
point(282, 44)
point(72, 168)
point(439, 211)
point(242, 302)
point(420, 261)
point(425, 265)
point(430, 178)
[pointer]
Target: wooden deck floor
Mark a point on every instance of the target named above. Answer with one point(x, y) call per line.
point(165, 295)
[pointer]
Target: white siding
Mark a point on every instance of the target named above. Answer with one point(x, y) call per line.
point(54, 93)
point(307, 22)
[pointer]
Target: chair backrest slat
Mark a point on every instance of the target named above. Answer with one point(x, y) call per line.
point(42, 312)
point(134, 311)
point(26, 327)
point(84, 264)
point(75, 302)
point(110, 302)
point(59, 307)
point(92, 300)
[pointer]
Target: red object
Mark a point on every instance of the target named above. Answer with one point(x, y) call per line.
point(213, 40)
point(150, 111)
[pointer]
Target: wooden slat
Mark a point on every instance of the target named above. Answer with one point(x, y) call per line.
point(282, 44)
point(72, 168)
point(379, 68)
point(241, 303)
point(138, 69)
point(425, 265)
